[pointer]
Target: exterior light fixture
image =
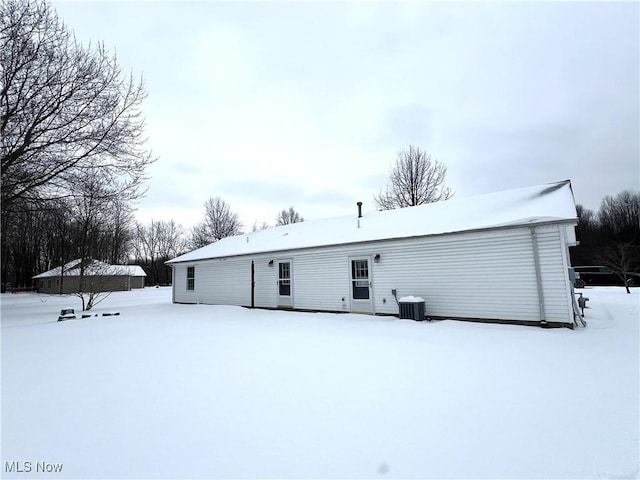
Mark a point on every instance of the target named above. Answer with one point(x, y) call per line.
point(271, 263)
point(377, 258)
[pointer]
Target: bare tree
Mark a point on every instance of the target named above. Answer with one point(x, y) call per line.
point(587, 219)
point(101, 216)
point(259, 226)
point(219, 222)
point(620, 258)
point(92, 281)
point(26, 233)
point(154, 244)
point(589, 237)
point(93, 221)
point(285, 217)
point(619, 216)
point(118, 232)
point(171, 242)
point(63, 108)
point(146, 249)
point(415, 179)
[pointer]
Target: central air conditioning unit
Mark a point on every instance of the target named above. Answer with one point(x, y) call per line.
point(412, 308)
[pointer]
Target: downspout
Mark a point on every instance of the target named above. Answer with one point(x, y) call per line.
point(536, 261)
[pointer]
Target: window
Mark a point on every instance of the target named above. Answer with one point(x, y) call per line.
point(360, 279)
point(191, 278)
point(284, 278)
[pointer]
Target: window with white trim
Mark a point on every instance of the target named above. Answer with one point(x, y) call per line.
point(191, 278)
point(360, 279)
point(284, 278)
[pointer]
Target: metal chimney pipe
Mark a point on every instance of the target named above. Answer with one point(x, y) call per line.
point(359, 209)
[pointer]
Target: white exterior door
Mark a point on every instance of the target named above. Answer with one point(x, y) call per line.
point(285, 292)
point(360, 285)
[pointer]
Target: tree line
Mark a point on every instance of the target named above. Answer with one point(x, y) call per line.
point(610, 237)
point(74, 161)
point(90, 226)
point(154, 243)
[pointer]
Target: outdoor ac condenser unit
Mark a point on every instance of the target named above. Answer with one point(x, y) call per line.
point(412, 308)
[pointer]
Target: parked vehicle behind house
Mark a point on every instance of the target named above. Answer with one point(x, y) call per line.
point(599, 275)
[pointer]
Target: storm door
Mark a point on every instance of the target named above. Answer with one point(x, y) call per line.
point(284, 284)
point(360, 281)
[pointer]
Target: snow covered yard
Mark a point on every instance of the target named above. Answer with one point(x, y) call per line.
point(197, 391)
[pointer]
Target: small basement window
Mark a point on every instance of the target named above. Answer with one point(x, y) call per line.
point(191, 278)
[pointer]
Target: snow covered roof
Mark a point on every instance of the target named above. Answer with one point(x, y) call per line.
point(94, 267)
point(523, 206)
point(131, 270)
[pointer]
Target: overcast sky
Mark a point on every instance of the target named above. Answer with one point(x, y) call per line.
point(271, 105)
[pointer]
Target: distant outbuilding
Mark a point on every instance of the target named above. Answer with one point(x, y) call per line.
point(97, 277)
point(497, 257)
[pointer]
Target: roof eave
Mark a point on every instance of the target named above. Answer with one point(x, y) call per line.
point(567, 221)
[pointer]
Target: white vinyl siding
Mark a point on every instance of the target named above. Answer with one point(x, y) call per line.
point(486, 275)
point(225, 281)
point(555, 277)
point(180, 292)
point(266, 278)
point(489, 274)
point(321, 280)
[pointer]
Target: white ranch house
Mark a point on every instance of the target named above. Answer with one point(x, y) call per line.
point(497, 257)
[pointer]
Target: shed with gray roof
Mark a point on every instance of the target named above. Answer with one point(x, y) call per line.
point(90, 275)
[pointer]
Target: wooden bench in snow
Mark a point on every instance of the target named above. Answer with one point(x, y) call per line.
point(105, 314)
point(68, 314)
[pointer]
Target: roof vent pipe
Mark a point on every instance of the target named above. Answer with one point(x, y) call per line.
point(359, 209)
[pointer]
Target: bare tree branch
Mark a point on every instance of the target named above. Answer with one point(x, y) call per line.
point(415, 179)
point(620, 258)
point(156, 243)
point(259, 226)
point(286, 217)
point(219, 222)
point(63, 108)
point(619, 216)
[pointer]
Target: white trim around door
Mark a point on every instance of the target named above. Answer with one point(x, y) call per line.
point(360, 291)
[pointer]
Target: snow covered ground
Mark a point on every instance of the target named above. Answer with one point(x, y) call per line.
point(196, 391)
